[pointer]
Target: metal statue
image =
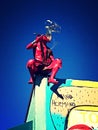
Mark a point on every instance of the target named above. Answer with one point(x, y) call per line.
point(44, 61)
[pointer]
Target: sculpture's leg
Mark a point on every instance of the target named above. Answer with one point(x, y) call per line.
point(54, 66)
point(52, 76)
point(31, 67)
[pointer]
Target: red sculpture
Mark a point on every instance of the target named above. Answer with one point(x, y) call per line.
point(44, 60)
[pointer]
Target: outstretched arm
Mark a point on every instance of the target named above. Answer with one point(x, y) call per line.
point(31, 45)
point(46, 38)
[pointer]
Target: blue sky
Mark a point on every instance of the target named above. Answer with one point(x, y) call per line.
point(77, 46)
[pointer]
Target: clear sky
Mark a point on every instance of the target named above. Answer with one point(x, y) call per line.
point(77, 46)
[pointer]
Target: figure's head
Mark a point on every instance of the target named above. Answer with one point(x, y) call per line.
point(52, 27)
point(49, 36)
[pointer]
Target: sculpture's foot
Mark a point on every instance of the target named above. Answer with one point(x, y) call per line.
point(30, 81)
point(54, 81)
